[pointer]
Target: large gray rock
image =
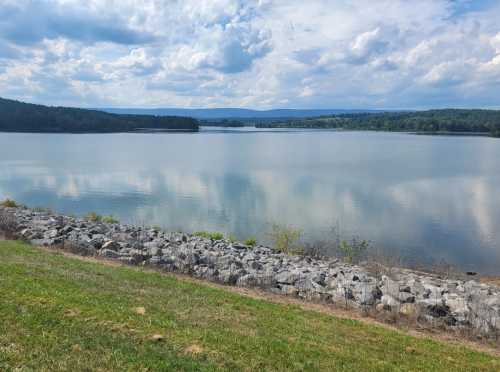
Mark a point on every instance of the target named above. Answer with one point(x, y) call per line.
point(389, 301)
point(108, 253)
point(111, 245)
point(287, 277)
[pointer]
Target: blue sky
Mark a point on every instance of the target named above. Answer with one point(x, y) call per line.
point(257, 54)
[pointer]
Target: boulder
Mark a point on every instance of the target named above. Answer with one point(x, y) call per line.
point(389, 301)
point(111, 245)
point(108, 253)
point(289, 290)
point(405, 297)
point(287, 277)
point(408, 309)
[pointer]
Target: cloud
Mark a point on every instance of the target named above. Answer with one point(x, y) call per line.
point(366, 45)
point(29, 22)
point(257, 53)
point(236, 47)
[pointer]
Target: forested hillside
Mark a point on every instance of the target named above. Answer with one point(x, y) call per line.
point(17, 116)
point(448, 120)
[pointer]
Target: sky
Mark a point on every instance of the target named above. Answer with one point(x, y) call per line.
point(261, 54)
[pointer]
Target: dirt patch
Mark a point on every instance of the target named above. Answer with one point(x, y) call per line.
point(157, 338)
point(72, 313)
point(140, 310)
point(193, 349)
point(495, 280)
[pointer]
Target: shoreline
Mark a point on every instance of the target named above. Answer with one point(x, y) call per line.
point(262, 129)
point(466, 306)
point(426, 133)
point(105, 132)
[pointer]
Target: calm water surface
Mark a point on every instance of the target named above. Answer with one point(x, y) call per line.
point(425, 198)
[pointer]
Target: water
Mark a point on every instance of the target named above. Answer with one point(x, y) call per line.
point(426, 198)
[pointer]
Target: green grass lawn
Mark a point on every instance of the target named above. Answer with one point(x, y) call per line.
point(61, 313)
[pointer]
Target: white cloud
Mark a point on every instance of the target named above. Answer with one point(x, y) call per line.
point(367, 44)
point(319, 53)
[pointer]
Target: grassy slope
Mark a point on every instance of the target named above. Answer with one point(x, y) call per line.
point(60, 313)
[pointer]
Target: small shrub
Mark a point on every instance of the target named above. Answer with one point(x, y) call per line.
point(109, 219)
point(216, 236)
point(354, 249)
point(316, 249)
point(202, 234)
point(43, 210)
point(252, 242)
point(286, 239)
point(9, 203)
point(93, 217)
point(8, 224)
point(209, 235)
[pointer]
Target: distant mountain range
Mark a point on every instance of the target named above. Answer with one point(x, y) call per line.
point(233, 113)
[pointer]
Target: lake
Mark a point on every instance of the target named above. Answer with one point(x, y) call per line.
point(421, 198)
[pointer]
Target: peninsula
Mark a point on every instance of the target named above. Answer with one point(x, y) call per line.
point(18, 116)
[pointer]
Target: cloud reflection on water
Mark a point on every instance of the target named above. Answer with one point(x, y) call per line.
point(436, 208)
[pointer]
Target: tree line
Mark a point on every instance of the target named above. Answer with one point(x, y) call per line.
point(18, 116)
point(432, 121)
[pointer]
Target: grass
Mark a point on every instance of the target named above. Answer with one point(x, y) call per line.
point(109, 219)
point(209, 235)
point(252, 242)
point(286, 239)
point(94, 217)
point(9, 203)
point(59, 313)
point(42, 210)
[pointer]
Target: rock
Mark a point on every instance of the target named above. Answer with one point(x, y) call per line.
point(249, 280)
point(50, 234)
point(432, 291)
point(111, 245)
point(368, 293)
point(390, 287)
point(408, 309)
point(389, 301)
point(307, 284)
point(155, 260)
point(493, 301)
point(154, 251)
point(66, 229)
point(287, 277)
point(228, 277)
point(405, 297)
point(457, 303)
point(97, 241)
point(42, 242)
point(429, 302)
point(434, 307)
point(108, 253)
point(289, 290)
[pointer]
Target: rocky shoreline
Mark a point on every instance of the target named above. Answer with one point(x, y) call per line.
point(457, 304)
